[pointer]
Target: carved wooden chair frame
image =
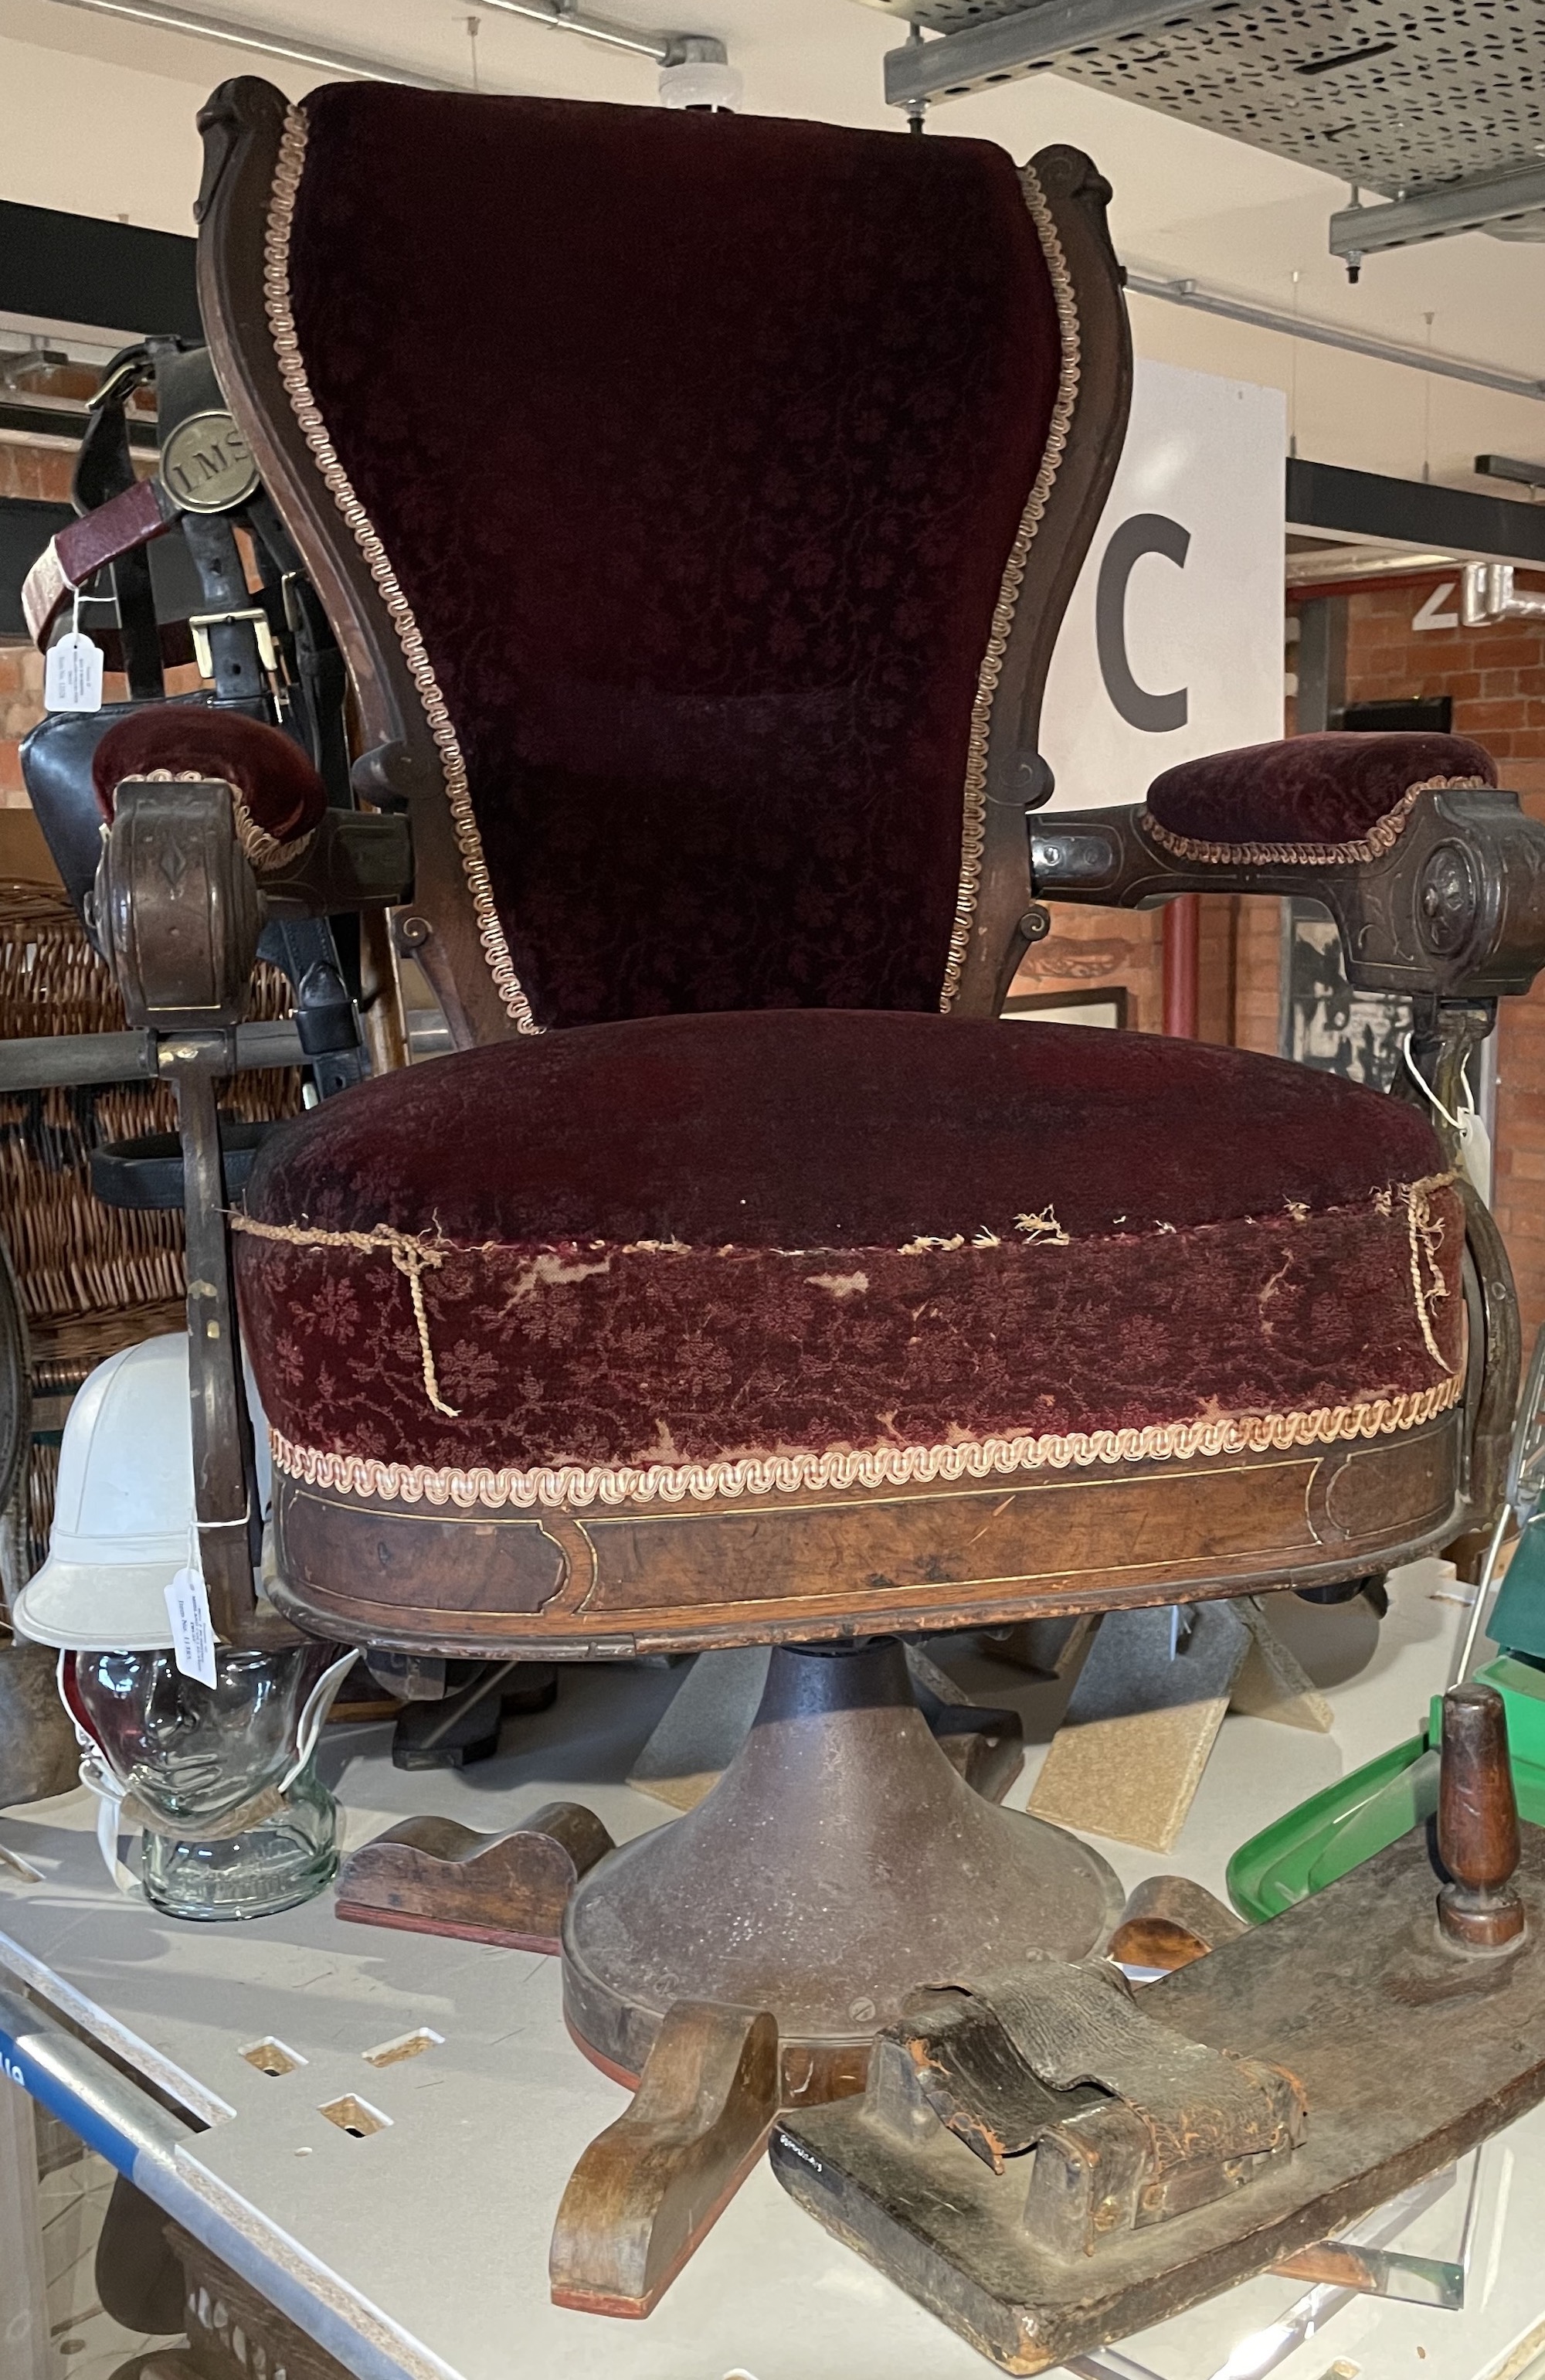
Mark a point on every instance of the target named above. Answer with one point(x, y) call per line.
point(1452, 913)
point(401, 763)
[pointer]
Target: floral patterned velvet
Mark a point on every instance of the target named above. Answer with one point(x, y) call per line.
point(697, 444)
point(1311, 789)
point(692, 1239)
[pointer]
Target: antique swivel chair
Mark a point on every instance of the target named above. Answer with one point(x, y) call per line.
point(695, 500)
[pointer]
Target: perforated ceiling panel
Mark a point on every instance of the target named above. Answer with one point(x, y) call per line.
point(1392, 97)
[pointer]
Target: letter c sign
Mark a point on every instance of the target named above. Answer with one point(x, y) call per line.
point(1156, 715)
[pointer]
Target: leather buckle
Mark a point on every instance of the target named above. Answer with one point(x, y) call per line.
point(201, 623)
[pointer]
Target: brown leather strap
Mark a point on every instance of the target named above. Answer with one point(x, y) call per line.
point(120, 527)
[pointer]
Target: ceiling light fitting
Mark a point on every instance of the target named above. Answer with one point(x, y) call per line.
point(1509, 466)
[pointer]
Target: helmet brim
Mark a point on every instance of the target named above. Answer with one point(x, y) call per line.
point(97, 1606)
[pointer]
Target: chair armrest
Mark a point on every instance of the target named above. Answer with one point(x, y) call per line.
point(278, 798)
point(1314, 800)
point(1441, 893)
point(307, 859)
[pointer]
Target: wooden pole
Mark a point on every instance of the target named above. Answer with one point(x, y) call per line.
point(1182, 931)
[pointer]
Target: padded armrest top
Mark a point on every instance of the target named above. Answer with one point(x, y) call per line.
point(1307, 797)
point(279, 796)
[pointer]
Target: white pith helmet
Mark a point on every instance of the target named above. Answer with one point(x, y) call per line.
point(122, 1510)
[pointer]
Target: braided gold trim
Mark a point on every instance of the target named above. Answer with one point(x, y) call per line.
point(1381, 836)
point(263, 850)
point(1426, 1237)
point(973, 826)
point(569, 1484)
point(410, 1257)
point(292, 370)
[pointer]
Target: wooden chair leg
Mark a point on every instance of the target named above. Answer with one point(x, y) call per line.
point(650, 2187)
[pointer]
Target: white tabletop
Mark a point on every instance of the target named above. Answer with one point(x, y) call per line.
point(421, 2250)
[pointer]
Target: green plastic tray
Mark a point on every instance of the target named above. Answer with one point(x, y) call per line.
point(1334, 1830)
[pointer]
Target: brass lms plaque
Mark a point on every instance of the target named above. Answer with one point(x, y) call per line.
point(206, 464)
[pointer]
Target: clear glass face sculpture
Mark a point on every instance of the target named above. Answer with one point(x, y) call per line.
point(221, 1781)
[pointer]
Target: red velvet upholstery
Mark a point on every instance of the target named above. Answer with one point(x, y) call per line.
point(1311, 790)
point(270, 776)
point(697, 445)
point(695, 1239)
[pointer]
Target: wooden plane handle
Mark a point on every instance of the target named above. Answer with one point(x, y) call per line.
point(1479, 1908)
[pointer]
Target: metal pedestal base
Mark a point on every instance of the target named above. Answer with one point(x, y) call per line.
point(839, 1862)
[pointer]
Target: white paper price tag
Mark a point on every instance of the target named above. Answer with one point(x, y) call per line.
point(188, 1608)
point(1474, 1153)
point(72, 675)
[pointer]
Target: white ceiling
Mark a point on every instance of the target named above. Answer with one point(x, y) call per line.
point(96, 114)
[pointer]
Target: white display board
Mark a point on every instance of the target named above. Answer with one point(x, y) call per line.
point(1173, 643)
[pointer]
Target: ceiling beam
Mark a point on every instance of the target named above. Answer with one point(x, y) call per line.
point(984, 55)
point(1412, 513)
point(64, 268)
point(1475, 203)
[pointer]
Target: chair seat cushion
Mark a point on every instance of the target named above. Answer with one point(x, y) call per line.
point(706, 1256)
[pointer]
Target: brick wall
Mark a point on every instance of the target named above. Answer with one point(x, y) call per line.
point(42, 474)
point(1495, 675)
point(1092, 950)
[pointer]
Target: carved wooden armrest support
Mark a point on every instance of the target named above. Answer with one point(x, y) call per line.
point(1451, 913)
point(353, 861)
point(1454, 909)
point(178, 914)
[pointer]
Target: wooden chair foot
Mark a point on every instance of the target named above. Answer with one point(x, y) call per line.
point(650, 2187)
point(431, 1876)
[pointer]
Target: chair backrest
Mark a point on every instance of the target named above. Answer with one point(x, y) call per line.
point(693, 468)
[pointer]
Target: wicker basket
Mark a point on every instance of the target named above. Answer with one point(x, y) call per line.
point(94, 1278)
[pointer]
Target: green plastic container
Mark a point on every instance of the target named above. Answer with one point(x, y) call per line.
point(1337, 1829)
point(1518, 1618)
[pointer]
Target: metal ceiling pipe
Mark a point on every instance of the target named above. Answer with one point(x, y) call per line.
point(666, 49)
point(268, 42)
point(1488, 594)
point(1186, 292)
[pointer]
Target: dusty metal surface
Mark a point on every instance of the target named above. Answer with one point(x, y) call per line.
point(432, 2234)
